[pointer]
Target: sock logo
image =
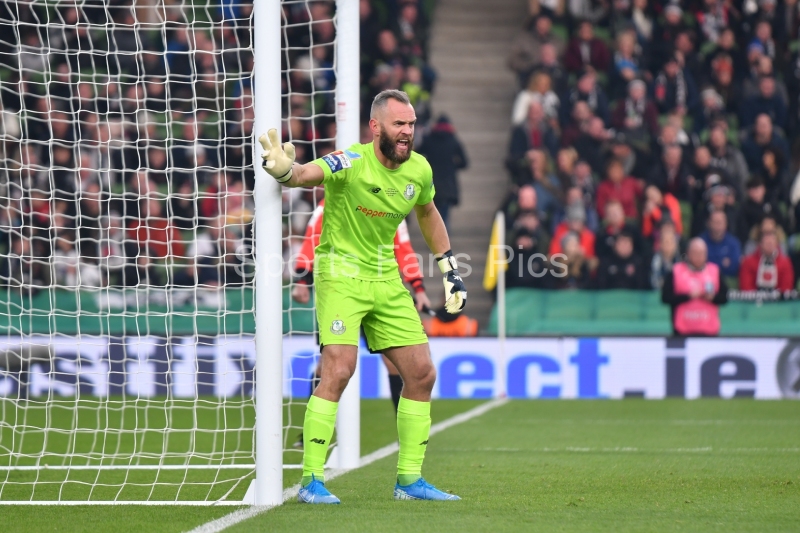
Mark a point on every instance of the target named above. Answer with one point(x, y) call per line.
point(421, 443)
point(318, 441)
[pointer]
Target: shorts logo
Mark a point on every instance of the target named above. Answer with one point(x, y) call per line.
point(375, 190)
point(337, 161)
point(391, 191)
point(409, 193)
point(338, 327)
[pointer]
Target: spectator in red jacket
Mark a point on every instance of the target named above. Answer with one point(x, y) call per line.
point(575, 223)
point(618, 186)
point(586, 50)
point(155, 235)
point(767, 268)
point(660, 208)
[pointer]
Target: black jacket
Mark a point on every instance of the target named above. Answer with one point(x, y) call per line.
point(617, 272)
point(446, 156)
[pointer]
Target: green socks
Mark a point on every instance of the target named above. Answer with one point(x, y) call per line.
point(413, 429)
point(317, 434)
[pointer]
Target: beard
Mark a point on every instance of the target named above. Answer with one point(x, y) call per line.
point(388, 148)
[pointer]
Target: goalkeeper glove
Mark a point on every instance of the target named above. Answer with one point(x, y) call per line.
point(455, 292)
point(278, 160)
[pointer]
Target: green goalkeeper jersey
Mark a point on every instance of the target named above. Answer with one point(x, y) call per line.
point(364, 204)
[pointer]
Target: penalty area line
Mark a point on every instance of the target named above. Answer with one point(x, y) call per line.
point(222, 523)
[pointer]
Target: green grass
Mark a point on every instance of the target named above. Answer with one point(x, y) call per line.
point(587, 466)
point(377, 415)
point(675, 465)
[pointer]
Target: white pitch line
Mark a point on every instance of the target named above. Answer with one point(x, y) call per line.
point(220, 524)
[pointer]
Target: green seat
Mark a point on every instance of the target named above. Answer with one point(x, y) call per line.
point(563, 305)
point(618, 305)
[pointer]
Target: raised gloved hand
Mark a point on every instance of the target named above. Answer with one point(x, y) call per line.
point(278, 160)
point(455, 292)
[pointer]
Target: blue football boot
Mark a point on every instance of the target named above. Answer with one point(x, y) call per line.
point(315, 492)
point(421, 490)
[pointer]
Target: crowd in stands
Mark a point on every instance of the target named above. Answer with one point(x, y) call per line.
point(641, 124)
point(126, 132)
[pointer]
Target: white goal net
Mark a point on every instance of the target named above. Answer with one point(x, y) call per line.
point(126, 212)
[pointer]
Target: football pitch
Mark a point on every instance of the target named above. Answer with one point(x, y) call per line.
point(632, 465)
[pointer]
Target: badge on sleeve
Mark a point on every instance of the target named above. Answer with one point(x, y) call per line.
point(340, 160)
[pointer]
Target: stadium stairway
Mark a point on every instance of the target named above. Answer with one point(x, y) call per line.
point(470, 40)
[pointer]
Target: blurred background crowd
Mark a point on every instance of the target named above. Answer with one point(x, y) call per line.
point(640, 124)
point(127, 156)
point(126, 132)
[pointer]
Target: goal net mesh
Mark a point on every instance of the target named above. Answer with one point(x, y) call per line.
point(126, 213)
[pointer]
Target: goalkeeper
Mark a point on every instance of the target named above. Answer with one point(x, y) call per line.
point(409, 268)
point(369, 190)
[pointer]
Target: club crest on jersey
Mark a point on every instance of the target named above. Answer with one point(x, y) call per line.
point(409, 193)
point(338, 327)
point(339, 160)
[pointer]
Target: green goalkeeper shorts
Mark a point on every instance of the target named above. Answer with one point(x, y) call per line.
point(384, 308)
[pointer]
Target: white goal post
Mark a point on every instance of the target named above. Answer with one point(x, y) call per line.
point(151, 369)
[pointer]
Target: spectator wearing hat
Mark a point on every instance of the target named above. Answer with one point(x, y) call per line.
point(694, 290)
point(586, 50)
point(622, 269)
point(446, 155)
point(617, 186)
point(767, 102)
point(726, 159)
point(754, 208)
point(767, 268)
point(575, 223)
point(763, 135)
point(636, 115)
point(659, 209)
point(526, 49)
point(724, 250)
